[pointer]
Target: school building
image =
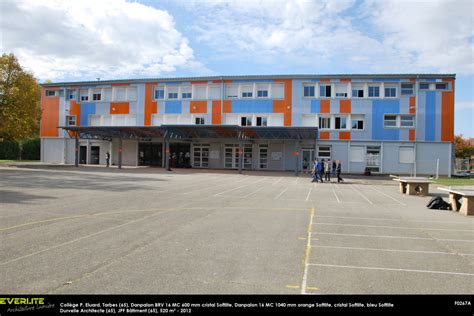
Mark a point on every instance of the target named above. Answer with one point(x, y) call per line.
point(391, 123)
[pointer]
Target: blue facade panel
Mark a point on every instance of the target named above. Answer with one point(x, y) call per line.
point(430, 116)
point(252, 106)
point(315, 106)
point(173, 107)
point(379, 109)
point(86, 110)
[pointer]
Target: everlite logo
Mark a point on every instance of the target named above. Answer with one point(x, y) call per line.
point(21, 300)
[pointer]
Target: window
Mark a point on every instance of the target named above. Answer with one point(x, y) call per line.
point(50, 93)
point(199, 121)
point(357, 93)
point(424, 86)
point(407, 89)
point(262, 93)
point(71, 120)
point(215, 92)
point(324, 122)
point(357, 122)
point(441, 86)
point(245, 121)
point(325, 91)
point(261, 121)
point(232, 91)
point(324, 152)
point(374, 92)
point(84, 98)
point(200, 92)
point(407, 155)
point(186, 95)
point(341, 122)
point(247, 91)
point(172, 95)
point(357, 154)
point(341, 94)
point(159, 94)
point(246, 94)
point(308, 91)
point(407, 120)
point(120, 93)
point(278, 90)
point(390, 92)
point(96, 97)
point(341, 90)
point(390, 121)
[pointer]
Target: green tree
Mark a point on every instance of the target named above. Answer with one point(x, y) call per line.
point(20, 95)
point(463, 147)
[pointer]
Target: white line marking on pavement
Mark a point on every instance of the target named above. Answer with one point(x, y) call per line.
point(390, 269)
point(277, 181)
point(396, 237)
point(224, 183)
point(389, 196)
point(396, 250)
point(251, 193)
point(334, 191)
point(309, 193)
point(307, 253)
point(242, 186)
point(393, 219)
point(281, 193)
point(363, 196)
point(396, 227)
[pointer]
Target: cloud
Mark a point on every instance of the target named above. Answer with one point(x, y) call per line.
point(464, 105)
point(88, 39)
point(348, 36)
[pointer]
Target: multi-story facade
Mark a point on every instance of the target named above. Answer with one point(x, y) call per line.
point(392, 123)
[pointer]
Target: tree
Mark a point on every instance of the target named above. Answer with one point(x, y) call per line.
point(463, 147)
point(20, 95)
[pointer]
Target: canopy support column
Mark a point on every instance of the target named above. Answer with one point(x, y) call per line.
point(120, 152)
point(76, 151)
point(241, 157)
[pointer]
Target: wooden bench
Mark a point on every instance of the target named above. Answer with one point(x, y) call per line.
point(466, 195)
point(414, 185)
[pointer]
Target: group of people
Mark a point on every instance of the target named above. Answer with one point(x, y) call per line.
point(183, 160)
point(324, 169)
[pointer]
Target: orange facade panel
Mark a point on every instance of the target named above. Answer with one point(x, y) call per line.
point(412, 107)
point(49, 116)
point(199, 82)
point(216, 112)
point(198, 107)
point(75, 109)
point(151, 106)
point(119, 108)
point(287, 111)
point(345, 80)
point(345, 106)
point(227, 106)
point(411, 135)
point(345, 135)
point(447, 116)
point(120, 84)
point(323, 135)
point(278, 106)
point(325, 106)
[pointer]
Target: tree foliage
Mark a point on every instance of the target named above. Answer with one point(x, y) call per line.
point(463, 147)
point(20, 95)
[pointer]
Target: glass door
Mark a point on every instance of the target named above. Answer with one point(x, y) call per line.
point(231, 156)
point(307, 157)
point(263, 157)
point(373, 159)
point(201, 155)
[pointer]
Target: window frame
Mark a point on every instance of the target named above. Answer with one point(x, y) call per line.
point(263, 119)
point(325, 87)
point(390, 89)
point(199, 120)
point(324, 117)
point(248, 121)
point(340, 117)
point(156, 90)
point(445, 84)
point(403, 91)
point(328, 150)
point(47, 93)
point(309, 88)
point(97, 94)
point(385, 121)
point(373, 96)
point(69, 117)
point(407, 115)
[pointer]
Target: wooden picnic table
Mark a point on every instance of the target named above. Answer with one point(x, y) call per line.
point(414, 185)
point(461, 199)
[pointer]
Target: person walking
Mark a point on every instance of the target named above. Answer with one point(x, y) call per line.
point(338, 172)
point(107, 159)
point(321, 169)
point(314, 171)
point(334, 166)
point(327, 171)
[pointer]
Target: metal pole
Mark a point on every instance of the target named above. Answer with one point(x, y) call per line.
point(167, 153)
point(241, 157)
point(77, 152)
point(120, 153)
point(437, 168)
point(296, 158)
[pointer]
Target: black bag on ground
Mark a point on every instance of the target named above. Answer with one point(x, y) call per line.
point(437, 203)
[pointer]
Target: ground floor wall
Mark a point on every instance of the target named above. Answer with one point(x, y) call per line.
point(387, 157)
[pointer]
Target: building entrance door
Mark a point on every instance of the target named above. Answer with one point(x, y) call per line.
point(150, 154)
point(307, 157)
point(231, 156)
point(200, 155)
point(373, 159)
point(180, 155)
point(83, 155)
point(95, 155)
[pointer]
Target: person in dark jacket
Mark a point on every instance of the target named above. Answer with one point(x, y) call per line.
point(338, 172)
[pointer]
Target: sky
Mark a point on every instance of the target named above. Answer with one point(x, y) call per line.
point(65, 40)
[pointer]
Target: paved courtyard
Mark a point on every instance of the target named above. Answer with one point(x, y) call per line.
point(108, 231)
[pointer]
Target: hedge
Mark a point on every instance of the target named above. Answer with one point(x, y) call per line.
point(30, 149)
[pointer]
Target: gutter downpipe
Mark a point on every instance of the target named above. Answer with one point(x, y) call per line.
point(416, 122)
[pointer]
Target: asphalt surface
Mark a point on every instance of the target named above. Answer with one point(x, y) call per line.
point(91, 231)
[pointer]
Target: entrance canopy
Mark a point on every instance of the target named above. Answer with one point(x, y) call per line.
point(190, 132)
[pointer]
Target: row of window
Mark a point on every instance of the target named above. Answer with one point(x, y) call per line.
point(362, 90)
point(118, 94)
point(406, 154)
point(398, 121)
